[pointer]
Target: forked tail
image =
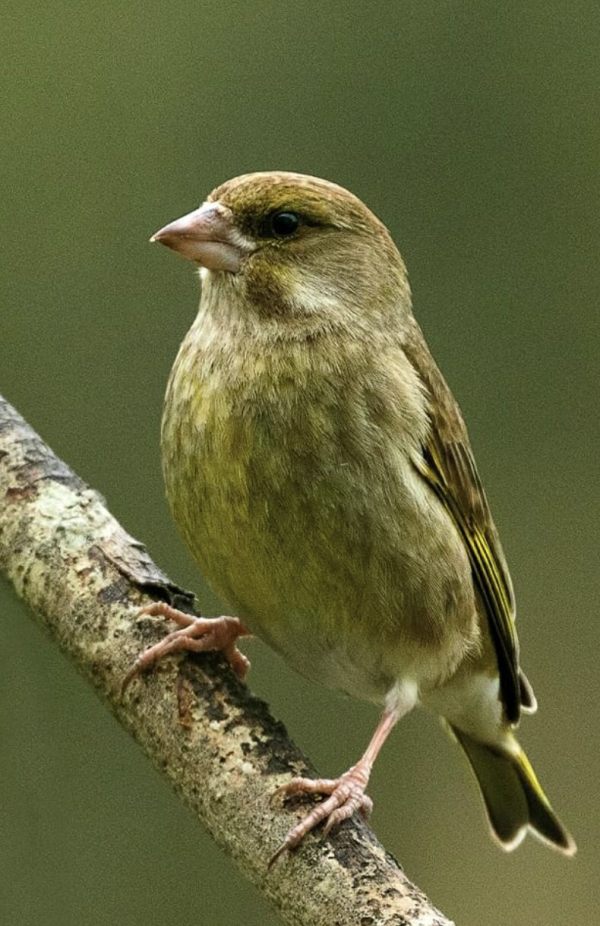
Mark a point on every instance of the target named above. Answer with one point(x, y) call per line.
point(513, 797)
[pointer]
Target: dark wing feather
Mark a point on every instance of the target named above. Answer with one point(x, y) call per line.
point(448, 466)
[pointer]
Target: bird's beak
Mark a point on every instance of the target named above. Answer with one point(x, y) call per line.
point(209, 237)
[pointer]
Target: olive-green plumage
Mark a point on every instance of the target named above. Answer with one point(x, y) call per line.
point(320, 471)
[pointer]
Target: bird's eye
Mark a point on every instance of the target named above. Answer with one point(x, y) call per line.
point(284, 224)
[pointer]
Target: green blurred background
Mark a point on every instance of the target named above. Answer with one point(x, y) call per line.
point(472, 130)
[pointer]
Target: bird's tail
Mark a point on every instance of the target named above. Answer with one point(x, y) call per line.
point(513, 797)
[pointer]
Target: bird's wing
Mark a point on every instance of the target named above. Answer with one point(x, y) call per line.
point(448, 466)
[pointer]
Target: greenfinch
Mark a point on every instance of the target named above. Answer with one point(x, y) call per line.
point(320, 471)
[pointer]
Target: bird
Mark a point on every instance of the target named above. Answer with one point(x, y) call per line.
point(320, 471)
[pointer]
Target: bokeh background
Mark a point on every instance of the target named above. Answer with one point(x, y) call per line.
point(472, 130)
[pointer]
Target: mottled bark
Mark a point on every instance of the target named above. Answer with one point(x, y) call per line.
point(87, 579)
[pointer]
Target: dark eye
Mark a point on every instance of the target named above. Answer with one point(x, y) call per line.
point(283, 224)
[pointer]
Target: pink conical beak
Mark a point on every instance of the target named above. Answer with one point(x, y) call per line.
point(208, 236)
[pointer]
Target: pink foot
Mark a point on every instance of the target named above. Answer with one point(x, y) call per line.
point(346, 793)
point(196, 635)
point(346, 796)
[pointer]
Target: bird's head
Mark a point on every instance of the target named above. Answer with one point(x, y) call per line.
point(292, 244)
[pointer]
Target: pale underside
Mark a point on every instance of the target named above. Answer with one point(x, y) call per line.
point(315, 528)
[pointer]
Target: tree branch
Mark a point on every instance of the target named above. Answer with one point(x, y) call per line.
point(87, 579)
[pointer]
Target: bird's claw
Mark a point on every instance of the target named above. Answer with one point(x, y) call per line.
point(194, 634)
point(346, 796)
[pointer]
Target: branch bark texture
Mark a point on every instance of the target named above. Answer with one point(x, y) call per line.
point(87, 579)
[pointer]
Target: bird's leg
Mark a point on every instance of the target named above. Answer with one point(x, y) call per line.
point(346, 793)
point(196, 635)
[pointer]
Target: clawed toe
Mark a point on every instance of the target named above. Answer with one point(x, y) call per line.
point(305, 786)
point(194, 634)
point(345, 796)
point(162, 609)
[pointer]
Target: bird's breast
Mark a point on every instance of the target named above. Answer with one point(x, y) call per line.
point(288, 472)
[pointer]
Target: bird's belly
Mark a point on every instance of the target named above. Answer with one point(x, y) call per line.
point(354, 574)
point(309, 520)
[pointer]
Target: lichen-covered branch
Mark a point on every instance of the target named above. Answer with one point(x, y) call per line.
point(87, 579)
